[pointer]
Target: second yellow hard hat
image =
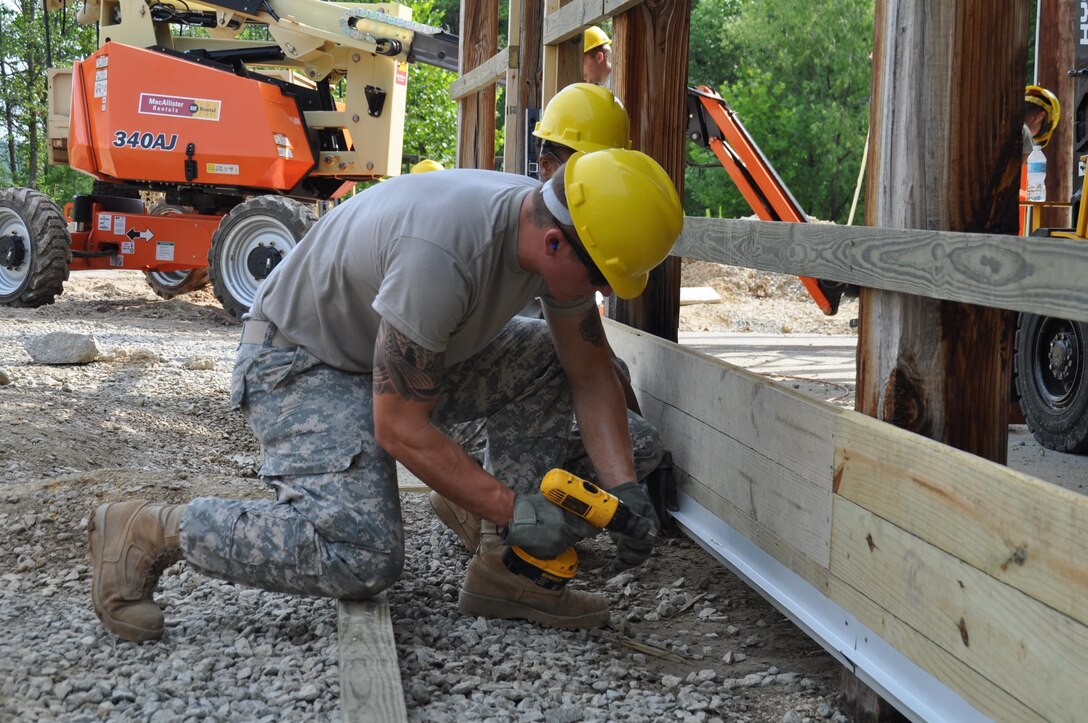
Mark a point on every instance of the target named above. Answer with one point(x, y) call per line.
point(585, 117)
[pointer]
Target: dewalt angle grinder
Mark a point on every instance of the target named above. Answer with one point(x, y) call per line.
point(594, 505)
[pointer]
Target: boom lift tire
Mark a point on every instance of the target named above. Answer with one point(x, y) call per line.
point(250, 241)
point(35, 248)
point(168, 284)
point(1051, 381)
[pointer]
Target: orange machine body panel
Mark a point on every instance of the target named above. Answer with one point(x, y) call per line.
point(141, 242)
point(135, 113)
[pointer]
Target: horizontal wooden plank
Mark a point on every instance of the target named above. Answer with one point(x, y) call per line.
point(786, 553)
point(571, 19)
point(795, 431)
point(370, 686)
point(774, 497)
point(1028, 533)
point(574, 17)
point(1033, 652)
point(490, 71)
point(1038, 275)
point(982, 694)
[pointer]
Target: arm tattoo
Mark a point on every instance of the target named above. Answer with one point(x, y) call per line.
point(403, 367)
point(591, 328)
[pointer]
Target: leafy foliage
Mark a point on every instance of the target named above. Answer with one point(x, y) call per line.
point(798, 76)
point(30, 40)
point(430, 123)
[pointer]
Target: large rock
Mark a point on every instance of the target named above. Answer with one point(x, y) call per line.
point(61, 347)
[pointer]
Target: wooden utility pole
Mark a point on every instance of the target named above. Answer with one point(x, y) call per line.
point(476, 111)
point(525, 94)
point(1053, 61)
point(650, 59)
point(946, 117)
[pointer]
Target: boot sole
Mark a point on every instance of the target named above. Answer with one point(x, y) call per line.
point(121, 629)
point(488, 607)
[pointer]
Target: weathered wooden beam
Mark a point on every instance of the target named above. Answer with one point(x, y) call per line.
point(572, 19)
point(513, 146)
point(476, 112)
point(525, 92)
point(1039, 275)
point(1054, 50)
point(650, 52)
point(490, 72)
point(562, 60)
point(370, 686)
point(946, 111)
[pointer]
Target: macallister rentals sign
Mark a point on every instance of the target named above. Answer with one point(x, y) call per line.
point(179, 107)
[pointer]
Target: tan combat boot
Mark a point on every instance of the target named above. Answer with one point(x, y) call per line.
point(461, 521)
point(131, 544)
point(492, 591)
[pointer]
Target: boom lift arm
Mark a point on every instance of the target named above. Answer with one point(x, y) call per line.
point(713, 124)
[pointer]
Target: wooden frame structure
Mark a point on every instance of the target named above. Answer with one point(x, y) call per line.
point(969, 577)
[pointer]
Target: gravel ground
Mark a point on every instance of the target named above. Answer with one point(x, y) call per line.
point(688, 640)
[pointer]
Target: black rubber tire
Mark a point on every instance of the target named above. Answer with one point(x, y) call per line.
point(269, 225)
point(168, 284)
point(47, 248)
point(1051, 380)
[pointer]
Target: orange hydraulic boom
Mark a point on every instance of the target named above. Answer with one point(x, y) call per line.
point(714, 125)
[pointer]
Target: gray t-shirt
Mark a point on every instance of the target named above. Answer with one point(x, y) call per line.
point(435, 254)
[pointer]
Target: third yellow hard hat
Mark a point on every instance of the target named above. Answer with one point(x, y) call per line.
point(1049, 102)
point(594, 37)
point(627, 214)
point(585, 117)
point(427, 165)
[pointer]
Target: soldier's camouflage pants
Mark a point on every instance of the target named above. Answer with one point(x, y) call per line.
point(335, 528)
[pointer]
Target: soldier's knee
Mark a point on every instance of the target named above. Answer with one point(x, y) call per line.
point(368, 573)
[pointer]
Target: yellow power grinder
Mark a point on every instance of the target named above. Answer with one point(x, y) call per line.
point(594, 505)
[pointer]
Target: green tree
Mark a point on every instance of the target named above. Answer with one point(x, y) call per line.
point(32, 40)
point(430, 123)
point(799, 78)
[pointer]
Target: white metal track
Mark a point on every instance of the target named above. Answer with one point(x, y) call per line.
point(913, 691)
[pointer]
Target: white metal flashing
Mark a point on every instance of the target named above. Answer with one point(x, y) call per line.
point(913, 691)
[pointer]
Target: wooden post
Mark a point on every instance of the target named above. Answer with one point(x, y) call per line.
point(562, 62)
point(476, 112)
point(946, 119)
point(523, 93)
point(1053, 60)
point(650, 57)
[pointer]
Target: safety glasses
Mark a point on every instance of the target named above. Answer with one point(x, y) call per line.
point(595, 276)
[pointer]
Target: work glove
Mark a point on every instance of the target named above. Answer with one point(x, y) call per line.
point(632, 552)
point(543, 528)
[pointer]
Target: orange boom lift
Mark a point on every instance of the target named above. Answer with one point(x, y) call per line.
point(210, 153)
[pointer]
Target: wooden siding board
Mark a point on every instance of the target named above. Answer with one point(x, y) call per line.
point(1023, 531)
point(1024, 647)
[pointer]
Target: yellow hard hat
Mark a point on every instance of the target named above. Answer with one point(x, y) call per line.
point(1048, 102)
point(585, 117)
point(626, 212)
point(594, 37)
point(427, 165)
